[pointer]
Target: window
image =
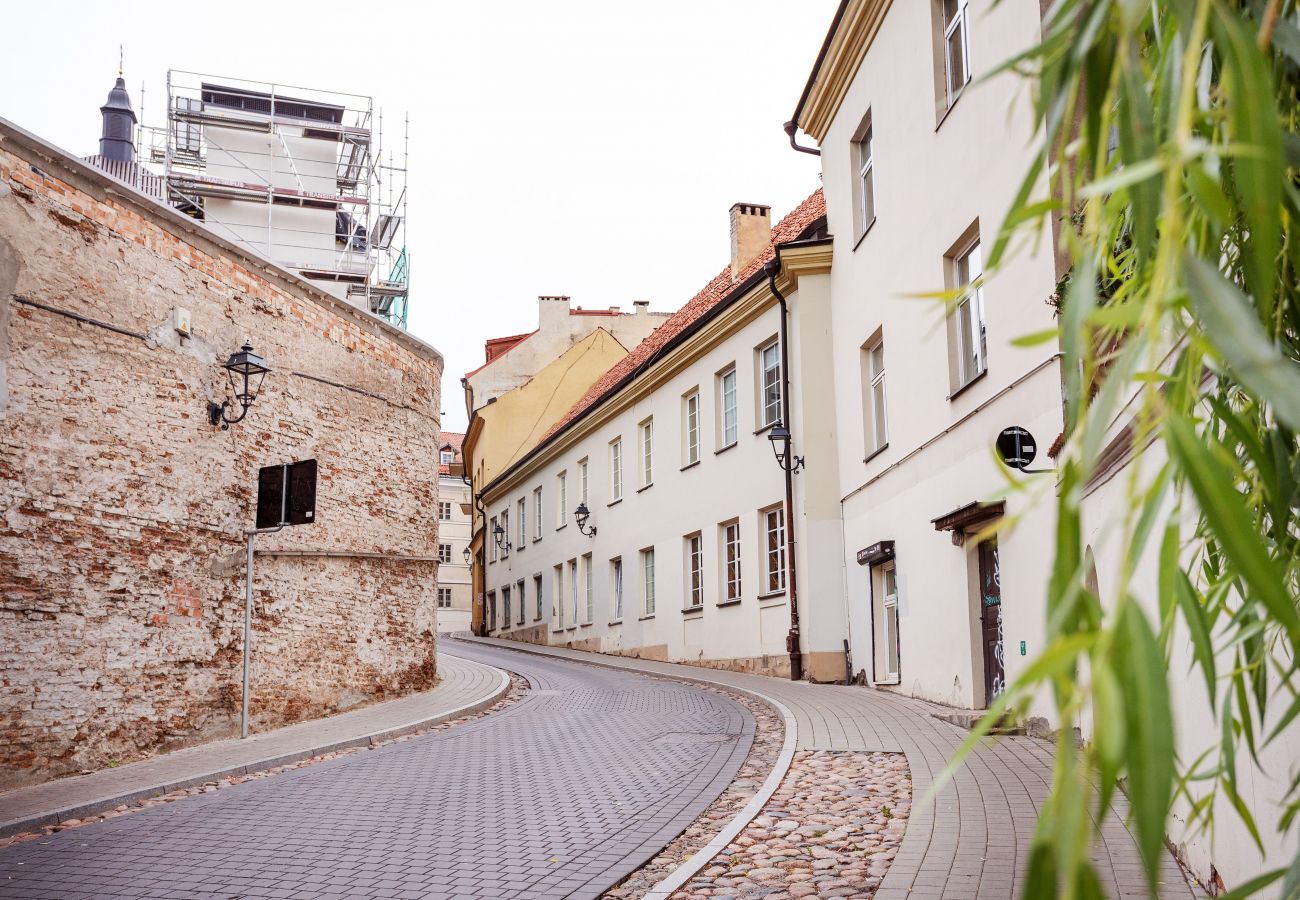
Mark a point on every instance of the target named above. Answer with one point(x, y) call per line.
point(444, 510)
point(774, 550)
point(647, 453)
point(573, 590)
point(968, 316)
point(887, 617)
point(537, 596)
point(956, 47)
point(444, 553)
point(505, 607)
point(728, 425)
point(537, 514)
point(558, 595)
point(492, 540)
point(561, 508)
point(731, 560)
point(523, 523)
point(616, 586)
point(583, 495)
point(492, 610)
point(444, 598)
point(864, 185)
point(648, 581)
point(505, 532)
point(447, 457)
point(694, 571)
point(616, 470)
point(185, 129)
point(691, 428)
point(769, 368)
point(588, 600)
point(874, 417)
point(521, 597)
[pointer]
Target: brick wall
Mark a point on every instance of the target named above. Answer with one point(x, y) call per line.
point(122, 509)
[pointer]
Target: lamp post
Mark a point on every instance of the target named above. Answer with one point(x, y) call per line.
point(247, 365)
point(780, 438)
point(581, 515)
point(499, 535)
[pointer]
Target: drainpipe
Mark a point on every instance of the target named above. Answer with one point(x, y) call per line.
point(791, 639)
point(790, 129)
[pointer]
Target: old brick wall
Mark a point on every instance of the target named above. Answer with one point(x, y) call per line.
point(122, 509)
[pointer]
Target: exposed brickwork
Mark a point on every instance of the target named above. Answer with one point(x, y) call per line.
point(122, 509)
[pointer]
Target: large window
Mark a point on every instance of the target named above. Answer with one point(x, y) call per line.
point(588, 600)
point(583, 494)
point(505, 607)
point(769, 369)
point(523, 523)
point(648, 581)
point(875, 421)
point(521, 600)
point(728, 423)
point(731, 560)
point(968, 316)
point(562, 508)
point(773, 522)
point(864, 186)
point(557, 595)
point(444, 553)
point(616, 586)
point(444, 510)
point(691, 428)
point(505, 532)
point(956, 46)
point(492, 540)
point(694, 571)
point(573, 591)
point(537, 514)
point(616, 470)
point(647, 453)
point(537, 596)
point(444, 598)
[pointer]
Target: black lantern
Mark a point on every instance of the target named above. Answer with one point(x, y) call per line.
point(499, 535)
point(465, 553)
point(246, 365)
point(780, 438)
point(581, 515)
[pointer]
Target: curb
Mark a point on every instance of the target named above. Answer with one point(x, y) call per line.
point(100, 804)
point(683, 873)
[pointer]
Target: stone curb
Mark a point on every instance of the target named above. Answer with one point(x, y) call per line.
point(679, 876)
point(100, 804)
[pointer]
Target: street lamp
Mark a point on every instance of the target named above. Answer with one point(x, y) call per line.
point(780, 438)
point(499, 535)
point(246, 364)
point(465, 553)
point(581, 515)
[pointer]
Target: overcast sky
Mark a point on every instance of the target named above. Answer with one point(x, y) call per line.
point(581, 147)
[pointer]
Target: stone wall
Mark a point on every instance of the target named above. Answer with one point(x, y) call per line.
point(122, 509)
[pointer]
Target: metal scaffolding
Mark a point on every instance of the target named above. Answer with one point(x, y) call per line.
point(334, 205)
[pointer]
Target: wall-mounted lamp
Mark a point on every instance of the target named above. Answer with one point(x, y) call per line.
point(465, 553)
point(581, 515)
point(780, 438)
point(499, 535)
point(247, 365)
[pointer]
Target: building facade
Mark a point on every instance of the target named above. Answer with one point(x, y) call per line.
point(455, 508)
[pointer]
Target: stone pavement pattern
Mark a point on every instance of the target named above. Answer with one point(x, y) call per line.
point(559, 795)
point(973, 840)
point(462, 684)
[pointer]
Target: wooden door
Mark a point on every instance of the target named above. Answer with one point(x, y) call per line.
point(991, 620)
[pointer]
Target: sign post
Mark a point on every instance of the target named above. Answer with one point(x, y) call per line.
point(286, 495)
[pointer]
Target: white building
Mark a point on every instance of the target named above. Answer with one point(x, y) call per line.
point(454, 591)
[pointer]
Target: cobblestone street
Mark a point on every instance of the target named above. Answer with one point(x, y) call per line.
point(559, 795)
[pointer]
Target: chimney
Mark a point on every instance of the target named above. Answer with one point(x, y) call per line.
point(641, 307)
point(751, 230)
point(552, 312)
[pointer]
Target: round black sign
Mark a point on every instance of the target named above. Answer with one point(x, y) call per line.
point(1017, 447)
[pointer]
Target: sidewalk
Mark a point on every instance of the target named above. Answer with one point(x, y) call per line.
point(465, 687)
point(973, 840)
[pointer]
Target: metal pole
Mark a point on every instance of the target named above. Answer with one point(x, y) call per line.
point(248, 630)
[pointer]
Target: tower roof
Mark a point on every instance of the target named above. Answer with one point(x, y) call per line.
point(119, 100)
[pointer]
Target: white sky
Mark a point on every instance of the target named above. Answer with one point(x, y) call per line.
point(581, 147)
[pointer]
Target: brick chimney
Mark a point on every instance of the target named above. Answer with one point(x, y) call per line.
point(751, 230)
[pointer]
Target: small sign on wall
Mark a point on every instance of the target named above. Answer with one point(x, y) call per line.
point(286, 494)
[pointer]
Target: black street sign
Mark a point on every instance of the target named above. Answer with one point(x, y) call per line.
point(1017, 447)
point(286, 494)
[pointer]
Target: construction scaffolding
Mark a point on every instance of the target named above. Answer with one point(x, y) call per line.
point(295, 174)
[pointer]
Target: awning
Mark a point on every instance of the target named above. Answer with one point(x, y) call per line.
point(970, 516)
point(877, 553)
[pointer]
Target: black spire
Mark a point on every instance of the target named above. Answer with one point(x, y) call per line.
point(116, 141)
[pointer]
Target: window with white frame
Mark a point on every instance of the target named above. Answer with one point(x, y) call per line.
point(537, 514)
point(773, 524)
point(562, 492)
point(731, 560)
point(691, 428)
point(523, 523)
point(728, 418)
point(647, 453)
point(694, 571)
point(444, 598)
point(521, 599)
point(444, 553)
point(864, 185)
point(492, 540)
point(557, 595)
point(505, 532)
point(583, 493)
point(444, 510)
point(874, 417)
point(968, 315)
point(588, 598)
point(956, 46)
point(616, 587)
point(769, 372)
point(616, 470)
point(573, 591)
point(447, 457)
point(537, 597)
point(648, 581)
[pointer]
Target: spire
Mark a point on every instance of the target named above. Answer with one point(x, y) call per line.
point(116, 140)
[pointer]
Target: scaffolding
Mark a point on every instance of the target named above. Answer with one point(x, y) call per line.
point(297, 175)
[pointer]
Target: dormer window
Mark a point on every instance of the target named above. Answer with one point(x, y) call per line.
point(447, 457)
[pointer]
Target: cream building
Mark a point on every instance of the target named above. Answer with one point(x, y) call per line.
point(454, 592)
point(684, 552)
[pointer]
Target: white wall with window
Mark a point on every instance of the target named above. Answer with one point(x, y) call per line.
point(454, 595)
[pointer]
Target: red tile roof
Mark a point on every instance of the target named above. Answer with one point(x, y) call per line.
point(716, 291)
point(453, 440)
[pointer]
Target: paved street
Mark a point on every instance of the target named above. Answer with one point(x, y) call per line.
point(560, 795)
